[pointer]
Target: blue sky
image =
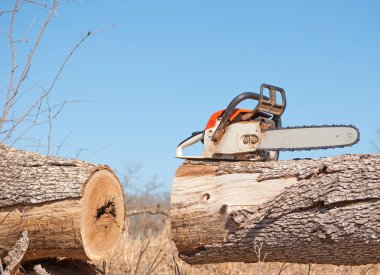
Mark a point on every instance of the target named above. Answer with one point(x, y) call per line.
point(166, 66)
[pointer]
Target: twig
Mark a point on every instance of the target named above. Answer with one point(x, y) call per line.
point(50, 125)
point(375, 146)
point(6, 216)
point(257, 246)
point(36, 3)
point(309, 269)
point(10, 86)
point(79, 152)
point(368, 269)
point(62, 144)
point(154, 261)
point(67, 59)
point(177, 271)
point(151, 210)
point(21, 119)
point(142, 251)
point(9, 122)
point(100, 149)
point(34, 122)
point(55, 106)
point(46, 92)
point(9, 102)
point(7, 11)
point(15, 255)
point(150, 270)
point(283, 267)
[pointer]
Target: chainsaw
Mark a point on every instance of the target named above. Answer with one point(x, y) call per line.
point(257, 134)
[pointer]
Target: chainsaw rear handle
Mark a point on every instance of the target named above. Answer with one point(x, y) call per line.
point(265, 104)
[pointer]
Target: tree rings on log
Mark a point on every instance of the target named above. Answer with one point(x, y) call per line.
point(102, 216)
point(69, 208)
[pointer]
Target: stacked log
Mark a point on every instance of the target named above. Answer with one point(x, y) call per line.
point(324, 210)
point(69, 208)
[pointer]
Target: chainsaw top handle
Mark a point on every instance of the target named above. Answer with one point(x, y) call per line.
point(271, 106)
point(264, 104)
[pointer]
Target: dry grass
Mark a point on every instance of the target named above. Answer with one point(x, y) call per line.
point(154, 253)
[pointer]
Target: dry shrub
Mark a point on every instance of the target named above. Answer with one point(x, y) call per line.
point(139, 195)
point(146, 224)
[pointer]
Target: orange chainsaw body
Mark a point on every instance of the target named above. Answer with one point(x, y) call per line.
point(214, 117)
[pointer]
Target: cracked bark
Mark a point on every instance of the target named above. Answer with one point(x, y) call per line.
point(304, 211)
point(69, 208)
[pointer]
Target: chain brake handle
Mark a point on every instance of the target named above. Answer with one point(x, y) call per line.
point(271, 106)
point(264, 104)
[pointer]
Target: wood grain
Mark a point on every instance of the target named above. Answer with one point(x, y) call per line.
point(69, 208)
point(305, 211)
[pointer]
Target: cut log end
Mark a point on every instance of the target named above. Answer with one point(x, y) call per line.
point(102, 218)
point(70, 208)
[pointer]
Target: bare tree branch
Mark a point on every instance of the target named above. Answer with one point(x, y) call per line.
point(62, 143)
point(142, 251)
point(50, 125)
point(7, 11)
point(35, 122)
point(67, 59)
point(10, 100)
point(11, 80)
point(16, 122)
point(45, 5)
point(151, 210)
point(22, 119)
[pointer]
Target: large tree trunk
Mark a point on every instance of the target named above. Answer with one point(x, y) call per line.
point(305, 211)
point(69, 208)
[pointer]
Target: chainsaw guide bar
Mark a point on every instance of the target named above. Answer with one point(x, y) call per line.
point(257, 134)
point(353, 137)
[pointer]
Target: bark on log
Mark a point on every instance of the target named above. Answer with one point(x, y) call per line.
point(70, 208)
point(304, 211)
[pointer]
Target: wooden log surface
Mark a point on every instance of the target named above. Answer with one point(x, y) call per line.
point(69, 208)
point(323, 211)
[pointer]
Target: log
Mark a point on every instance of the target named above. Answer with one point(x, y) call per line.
point(324, 211)
point(69, 208)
